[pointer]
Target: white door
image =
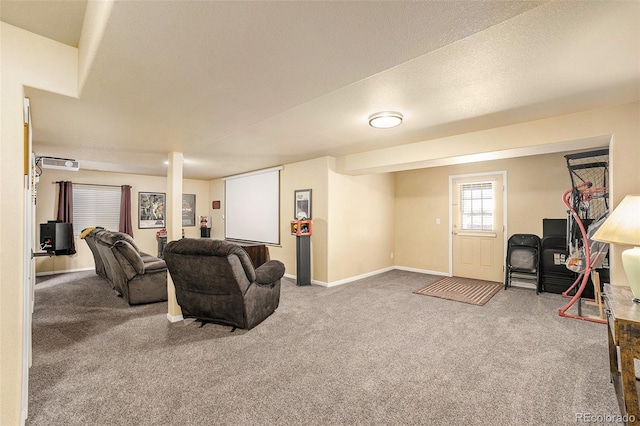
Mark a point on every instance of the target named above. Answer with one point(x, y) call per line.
point(478, 227)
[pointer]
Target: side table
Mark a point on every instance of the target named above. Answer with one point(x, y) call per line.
point(623, 318)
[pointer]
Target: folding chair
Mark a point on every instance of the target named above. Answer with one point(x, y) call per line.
point(523, 259)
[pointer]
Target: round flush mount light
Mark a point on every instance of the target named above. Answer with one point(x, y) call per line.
point(385, 119)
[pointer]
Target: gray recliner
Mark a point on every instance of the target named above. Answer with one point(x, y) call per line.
point(138, 277)
point(89, 235)
point(215, 281)
point(93, 234)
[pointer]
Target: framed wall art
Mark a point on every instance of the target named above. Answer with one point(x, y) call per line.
point(151, 210)
point(302, 207)
point(188, 210)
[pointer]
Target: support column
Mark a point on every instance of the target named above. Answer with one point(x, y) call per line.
point(174, 224)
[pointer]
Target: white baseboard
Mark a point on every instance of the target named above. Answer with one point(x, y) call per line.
point(64, 271)
point(356, 278)
point(422, 271)
point(370, 274)
point(176, 318)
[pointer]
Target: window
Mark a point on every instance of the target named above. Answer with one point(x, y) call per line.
point(476, 206)
point(95, 205)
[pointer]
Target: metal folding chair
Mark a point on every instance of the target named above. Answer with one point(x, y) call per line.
point(523, 259)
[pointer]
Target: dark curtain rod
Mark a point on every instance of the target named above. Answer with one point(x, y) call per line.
point(93, 184)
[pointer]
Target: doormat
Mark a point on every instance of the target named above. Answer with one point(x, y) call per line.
point(467, 290)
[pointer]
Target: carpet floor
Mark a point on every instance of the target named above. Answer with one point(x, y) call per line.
point(365, 353)
point(475, 292)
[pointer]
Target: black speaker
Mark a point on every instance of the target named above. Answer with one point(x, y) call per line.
point(56, 236)
point(554, 228)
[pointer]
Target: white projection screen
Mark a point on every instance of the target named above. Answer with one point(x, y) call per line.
point(252, 207)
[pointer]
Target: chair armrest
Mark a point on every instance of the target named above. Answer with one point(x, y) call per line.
point(153, 266)
point(146, 257)
point(269, 272)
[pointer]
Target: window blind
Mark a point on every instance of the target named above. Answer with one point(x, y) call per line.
point(95, 206)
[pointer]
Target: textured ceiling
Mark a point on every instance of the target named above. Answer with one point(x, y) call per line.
point(238, 86)
point(58, 20)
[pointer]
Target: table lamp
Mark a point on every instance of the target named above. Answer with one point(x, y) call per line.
point(623, 227)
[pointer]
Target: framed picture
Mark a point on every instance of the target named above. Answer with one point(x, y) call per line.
point(302, 207)
point(188, 210)
point(151, 212)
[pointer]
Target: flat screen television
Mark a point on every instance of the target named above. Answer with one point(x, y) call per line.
point(56, 236)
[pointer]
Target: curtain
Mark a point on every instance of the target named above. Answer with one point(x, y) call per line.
point(65, 207)
point(125, 211)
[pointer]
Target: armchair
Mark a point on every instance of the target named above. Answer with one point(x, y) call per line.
point(215, 281)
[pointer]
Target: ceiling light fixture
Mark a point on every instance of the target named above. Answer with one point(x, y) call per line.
point(385, 119)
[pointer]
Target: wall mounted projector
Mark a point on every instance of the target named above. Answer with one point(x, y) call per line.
point(60, 164)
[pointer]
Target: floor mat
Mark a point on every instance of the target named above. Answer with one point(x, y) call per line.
point(467, 290)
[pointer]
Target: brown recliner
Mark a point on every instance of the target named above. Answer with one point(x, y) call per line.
point(215, 281)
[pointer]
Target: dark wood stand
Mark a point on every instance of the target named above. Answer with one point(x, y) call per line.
point(259, 253)
point(623, 318)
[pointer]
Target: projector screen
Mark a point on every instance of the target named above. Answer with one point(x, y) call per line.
point(252, 207)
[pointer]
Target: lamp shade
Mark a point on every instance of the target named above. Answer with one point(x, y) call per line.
point(623, 224)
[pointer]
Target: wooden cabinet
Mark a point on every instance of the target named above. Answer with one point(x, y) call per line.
point(258, 253)
point(623, 318)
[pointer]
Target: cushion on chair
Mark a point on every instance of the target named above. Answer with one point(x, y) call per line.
point(131, 255)
point(523, 259)
point(86, 231)
point(126, 237)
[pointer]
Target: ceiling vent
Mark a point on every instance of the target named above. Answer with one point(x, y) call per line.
point(60, 164)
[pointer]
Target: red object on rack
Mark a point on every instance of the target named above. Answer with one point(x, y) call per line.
point(583, 278)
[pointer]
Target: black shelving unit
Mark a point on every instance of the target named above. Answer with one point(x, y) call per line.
point(302, 229)
point(303, 260)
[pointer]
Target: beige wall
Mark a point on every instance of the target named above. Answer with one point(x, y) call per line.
point(47, 205)
point(352, 220)
point(356, 204)
point(27, 59)
point(216, 193)
point(312, 175)
point(360, 225)
point(534, 191)
point(618, 127)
